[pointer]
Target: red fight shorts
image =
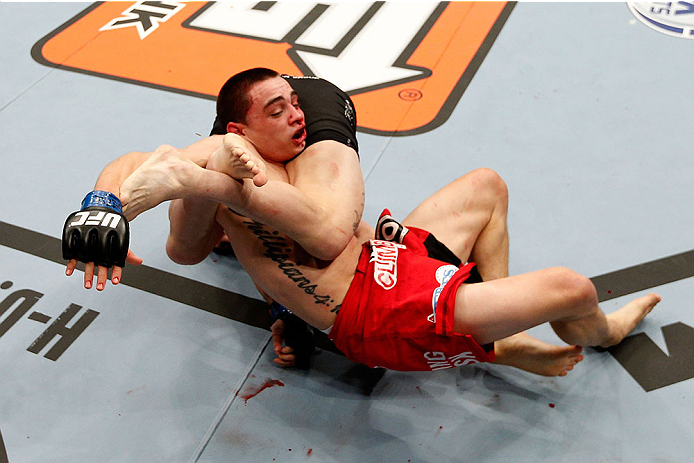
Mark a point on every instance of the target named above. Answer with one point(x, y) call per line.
point(399, 310)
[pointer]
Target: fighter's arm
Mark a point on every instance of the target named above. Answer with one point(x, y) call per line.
point(329, 175)
point(318, 202)
point(112, 178)
point(319, 212)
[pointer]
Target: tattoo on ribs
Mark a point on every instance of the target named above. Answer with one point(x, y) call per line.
point(358, 213)
point(357, 219)
point(276, 248)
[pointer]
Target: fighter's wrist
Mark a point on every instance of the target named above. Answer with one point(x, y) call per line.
point(102, 199)
point(278, 311)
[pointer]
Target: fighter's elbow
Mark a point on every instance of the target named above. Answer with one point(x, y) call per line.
point(331, 244)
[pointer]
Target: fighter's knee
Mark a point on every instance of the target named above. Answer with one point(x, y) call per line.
point(489, 180)
point(575, 289)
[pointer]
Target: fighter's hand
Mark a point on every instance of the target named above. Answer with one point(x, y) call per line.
point(297, 335)
point(98, 235)
point(101, 272)
point(239, 159)
point(285, 355)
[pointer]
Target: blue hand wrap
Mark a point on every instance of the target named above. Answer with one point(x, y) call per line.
point(102, 199)
point(276, 310)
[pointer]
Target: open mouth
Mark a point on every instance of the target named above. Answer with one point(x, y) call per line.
point(299, 136)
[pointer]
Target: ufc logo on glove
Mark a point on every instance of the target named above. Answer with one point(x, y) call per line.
point(96, 218)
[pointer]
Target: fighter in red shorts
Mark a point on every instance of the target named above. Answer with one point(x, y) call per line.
point(398, 312)
point(306, 258)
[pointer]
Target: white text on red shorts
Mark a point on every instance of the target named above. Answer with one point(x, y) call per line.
point(439, 360)
point(384, 254)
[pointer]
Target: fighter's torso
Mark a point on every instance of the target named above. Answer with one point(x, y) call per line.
point(311, 288)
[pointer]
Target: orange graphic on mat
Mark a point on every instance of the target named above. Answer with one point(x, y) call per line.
point(405, 64)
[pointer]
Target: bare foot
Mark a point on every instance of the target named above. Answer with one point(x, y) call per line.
point(239, 159)
point(160, 178)
point(623, 321)
point(530, 354)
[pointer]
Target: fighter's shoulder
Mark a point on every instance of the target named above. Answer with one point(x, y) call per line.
point(300, 82)
point(301, 78)
point(328, 156)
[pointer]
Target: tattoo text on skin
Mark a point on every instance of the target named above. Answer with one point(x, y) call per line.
point(277, 250)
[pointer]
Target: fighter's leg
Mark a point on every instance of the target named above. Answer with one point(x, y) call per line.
point(165, 175)
point(497, 309)
point(479, 205)
point(239, 159)
point(469, 217)
point(530, 354)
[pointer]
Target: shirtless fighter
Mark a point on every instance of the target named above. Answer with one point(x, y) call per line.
point(319, 153)
point(387, 299)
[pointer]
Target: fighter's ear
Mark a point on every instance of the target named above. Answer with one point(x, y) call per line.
point(235, 127)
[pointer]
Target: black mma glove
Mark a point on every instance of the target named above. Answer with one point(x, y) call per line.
point(297, 334)
point(98, 232)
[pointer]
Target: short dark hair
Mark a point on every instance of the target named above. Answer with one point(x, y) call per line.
point(233, 102)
